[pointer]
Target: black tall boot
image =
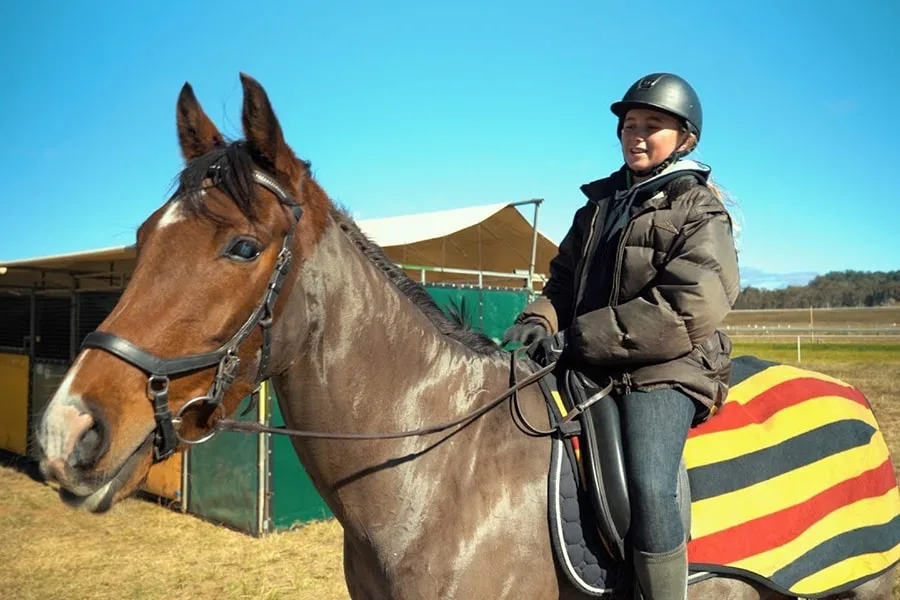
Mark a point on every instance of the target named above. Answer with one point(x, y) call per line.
point(662, 576)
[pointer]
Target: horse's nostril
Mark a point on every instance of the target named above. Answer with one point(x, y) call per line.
point(54, 469)
point(90, 447)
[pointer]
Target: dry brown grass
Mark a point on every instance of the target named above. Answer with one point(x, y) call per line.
point(142, 551)
point(822, 317)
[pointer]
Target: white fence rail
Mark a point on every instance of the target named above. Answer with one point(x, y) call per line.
point(811, 332)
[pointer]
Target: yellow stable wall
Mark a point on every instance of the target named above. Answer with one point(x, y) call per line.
point(14, 402)
point(164, 478)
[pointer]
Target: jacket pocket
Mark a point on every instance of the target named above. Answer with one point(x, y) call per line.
point(713, 355)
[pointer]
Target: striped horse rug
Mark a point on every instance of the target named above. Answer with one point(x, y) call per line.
point(792, 484)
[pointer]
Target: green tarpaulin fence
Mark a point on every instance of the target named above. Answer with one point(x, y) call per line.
point(223, 477)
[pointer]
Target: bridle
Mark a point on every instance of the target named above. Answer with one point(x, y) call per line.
point(159, 370)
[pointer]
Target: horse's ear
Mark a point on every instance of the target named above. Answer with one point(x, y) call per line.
point(196, 133)
point(263, 132)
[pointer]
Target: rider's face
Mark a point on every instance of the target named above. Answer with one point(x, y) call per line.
point(649, 137)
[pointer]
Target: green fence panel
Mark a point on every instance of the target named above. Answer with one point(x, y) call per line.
point(294, 499)
point(464, 300)
point(491, 311)
point(499, 309)
point(222, 473)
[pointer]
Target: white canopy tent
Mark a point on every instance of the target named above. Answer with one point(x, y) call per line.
point(485, 245)
point(491, 244)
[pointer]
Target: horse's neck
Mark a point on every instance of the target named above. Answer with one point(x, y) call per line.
point(369, 360)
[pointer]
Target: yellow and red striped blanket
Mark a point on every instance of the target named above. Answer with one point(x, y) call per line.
point(792, 484)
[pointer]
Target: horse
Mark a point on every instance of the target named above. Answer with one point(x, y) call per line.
point(250, 272)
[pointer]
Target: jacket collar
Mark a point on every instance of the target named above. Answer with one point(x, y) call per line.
point(672, 172)
point(617, 182)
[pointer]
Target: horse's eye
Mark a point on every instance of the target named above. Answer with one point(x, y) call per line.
point(243, 249)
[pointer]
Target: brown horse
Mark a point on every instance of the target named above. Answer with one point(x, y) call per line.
point(351, 345)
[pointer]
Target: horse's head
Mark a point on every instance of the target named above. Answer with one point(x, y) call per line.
point(190, 335)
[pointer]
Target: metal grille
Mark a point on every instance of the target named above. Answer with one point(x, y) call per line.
point(52, 323)
point(93, 308)
point(15, 317)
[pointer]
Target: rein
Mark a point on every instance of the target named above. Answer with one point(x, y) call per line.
point(250, 427)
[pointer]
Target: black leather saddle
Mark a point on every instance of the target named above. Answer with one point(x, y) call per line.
point(603, 458)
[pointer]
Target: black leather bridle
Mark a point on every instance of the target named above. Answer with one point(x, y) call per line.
point(159, 370)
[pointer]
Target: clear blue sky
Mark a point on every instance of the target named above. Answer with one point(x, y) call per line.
point(410, 106)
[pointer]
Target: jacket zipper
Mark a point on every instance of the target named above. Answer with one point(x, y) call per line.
point(585, 264)
point(620, 250)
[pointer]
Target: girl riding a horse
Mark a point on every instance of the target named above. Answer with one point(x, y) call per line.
point(642, 281)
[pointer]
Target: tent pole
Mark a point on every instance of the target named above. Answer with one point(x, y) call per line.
point(534, 232)
point(74, 319)
point(185, 478)
point(262, 455)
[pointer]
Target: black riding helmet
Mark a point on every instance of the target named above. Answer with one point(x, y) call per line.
point(668, 93)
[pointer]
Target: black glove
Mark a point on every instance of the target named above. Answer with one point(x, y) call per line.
point(524, 333)
point(548, 349)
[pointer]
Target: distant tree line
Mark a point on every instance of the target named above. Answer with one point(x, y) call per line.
point(838, 288)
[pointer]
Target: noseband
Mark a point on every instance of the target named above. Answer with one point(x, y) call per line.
point(159, 370)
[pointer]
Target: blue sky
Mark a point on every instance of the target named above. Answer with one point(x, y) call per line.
point(409, 106)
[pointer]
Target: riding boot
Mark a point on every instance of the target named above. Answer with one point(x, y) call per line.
point(662, 576)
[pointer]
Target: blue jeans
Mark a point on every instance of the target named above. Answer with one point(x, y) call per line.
point(655, 425)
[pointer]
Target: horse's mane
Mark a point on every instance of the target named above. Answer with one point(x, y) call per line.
point(453, 326)
point(230, 168)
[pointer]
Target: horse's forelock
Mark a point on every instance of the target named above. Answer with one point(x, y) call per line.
point(228, 167)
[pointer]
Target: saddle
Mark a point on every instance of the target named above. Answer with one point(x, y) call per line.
point(590, 511)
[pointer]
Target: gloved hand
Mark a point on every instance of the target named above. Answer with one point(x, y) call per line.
point(524, 333)
point(548, 349)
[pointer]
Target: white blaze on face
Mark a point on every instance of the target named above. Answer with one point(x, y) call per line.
point(64, 410)
point(173, 214)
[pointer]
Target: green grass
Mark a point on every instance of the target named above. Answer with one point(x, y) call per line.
point(817, 352)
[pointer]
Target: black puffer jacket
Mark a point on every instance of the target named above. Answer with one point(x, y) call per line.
point(643, 280)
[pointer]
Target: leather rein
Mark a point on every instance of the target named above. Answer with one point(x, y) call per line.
point(250, 427)
point(160, 370)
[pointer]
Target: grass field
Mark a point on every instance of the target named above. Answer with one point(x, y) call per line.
point(821, 317)
point(142, 551)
